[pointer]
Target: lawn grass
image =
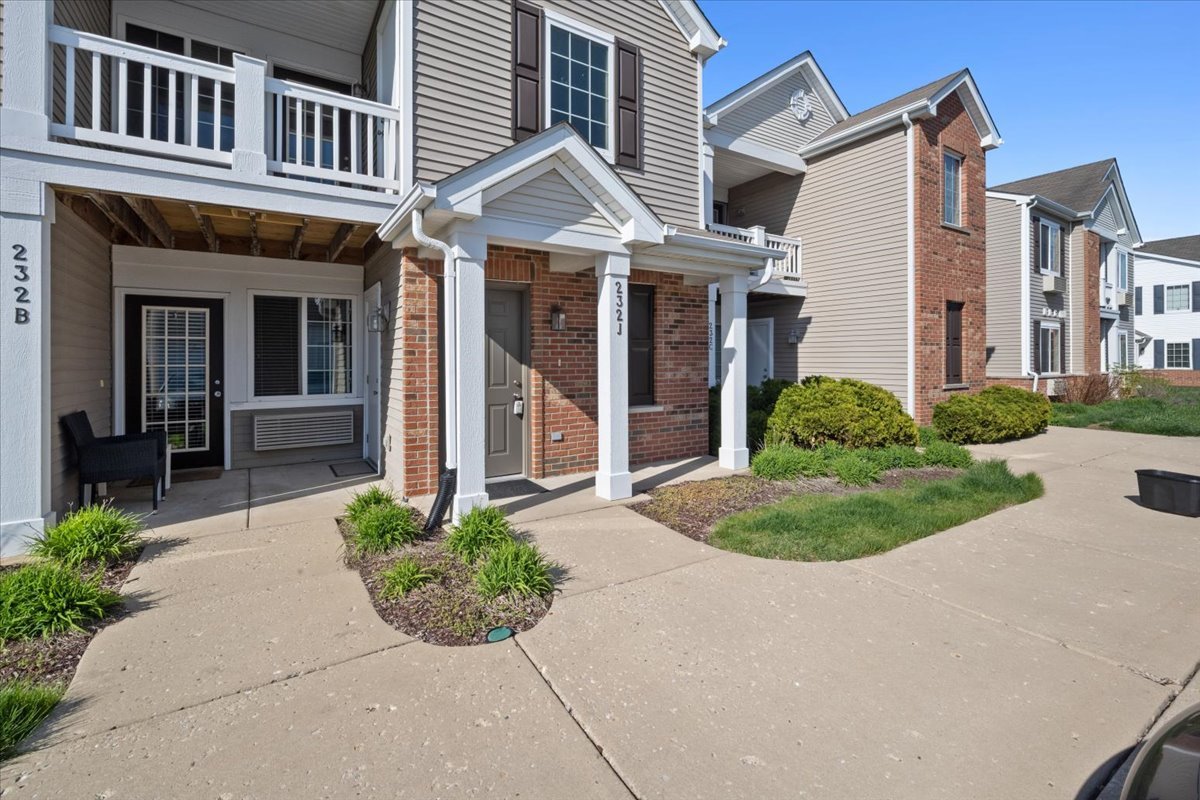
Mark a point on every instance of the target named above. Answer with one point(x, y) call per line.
point(23, 706)
point(832, 528)
point(1176, 414)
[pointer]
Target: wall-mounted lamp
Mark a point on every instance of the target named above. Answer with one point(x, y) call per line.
point(377, 320)
point(793, 336)
point(558, 319)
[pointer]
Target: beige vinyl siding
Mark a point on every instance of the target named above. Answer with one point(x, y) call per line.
point(1004, 297)
point(1055, 307)
point(768, 118)
point(1077, 301)
point(1109, 216)
point(549, 200)
point(850, 210)
point(1, 52)
point(81, 341)
point(788, 314)
point(384, 268)
point(463, 88)
point(245, 456)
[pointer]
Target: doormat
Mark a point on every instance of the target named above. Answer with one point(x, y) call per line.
point(517, 487)
point(185, 476)
point(349, 469)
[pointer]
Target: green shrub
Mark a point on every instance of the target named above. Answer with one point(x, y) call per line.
point(516, 568)
point(760, 402)
point(927, 434)
point(898, 456)
point(404, 576)
point(996, 414)
point(846, 412)
point(479, 531)
point(855, 469)
point(23, 706)
point(947, 454)
point(756, 430)
point(91, 533)
point(371, 497)
point(781, 462)
point(45, 598)
point(380, 528)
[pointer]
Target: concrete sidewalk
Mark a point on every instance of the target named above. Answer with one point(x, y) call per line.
point(1013, 657)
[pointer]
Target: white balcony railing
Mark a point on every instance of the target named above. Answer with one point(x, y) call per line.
point(787, 267)
point(128, 97)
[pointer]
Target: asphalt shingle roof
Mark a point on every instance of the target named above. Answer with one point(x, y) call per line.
point(1186, 247)
point(889, 106)
point(1078, 188)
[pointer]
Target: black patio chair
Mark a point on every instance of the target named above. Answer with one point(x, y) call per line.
point(115, 458)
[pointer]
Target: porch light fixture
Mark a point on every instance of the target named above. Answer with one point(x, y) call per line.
point(793, 336)
point(558, 319)
point(377, 320)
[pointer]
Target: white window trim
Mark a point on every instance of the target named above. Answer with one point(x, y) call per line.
point(957, 221)
point(1123, 270)
point(1122, 360)
point(1187, 295)
point(1053, 253)
point(1167, 355)
point(555, 19)
point(356, 344)
point(1055, 352)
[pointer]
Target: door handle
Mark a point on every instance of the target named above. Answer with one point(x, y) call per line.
point(217, 393)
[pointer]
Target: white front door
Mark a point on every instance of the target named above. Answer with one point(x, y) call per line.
point(372, 299)
point(760, 339)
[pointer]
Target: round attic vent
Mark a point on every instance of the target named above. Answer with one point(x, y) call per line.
point(801, 105)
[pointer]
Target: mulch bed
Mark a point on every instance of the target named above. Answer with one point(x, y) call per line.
point(448, 610)
point(695, 508)
point(54, 660)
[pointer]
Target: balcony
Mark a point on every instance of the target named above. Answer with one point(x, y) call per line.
point(786, 268)
point(126, 97)
point(1112, 298)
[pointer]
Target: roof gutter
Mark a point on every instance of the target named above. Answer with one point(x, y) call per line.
point(917, 110)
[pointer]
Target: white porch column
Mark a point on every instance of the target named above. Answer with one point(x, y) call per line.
point(612, 388)
point(470, 253)
point(733, 453)
point(706, 199)
point(250, 130)
point(26, 77)
point(26, 214)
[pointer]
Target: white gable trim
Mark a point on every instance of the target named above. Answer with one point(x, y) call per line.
point(804, 61)
point(701, 36)
point(985, 126)
point(1117, 187)
point(554, 165)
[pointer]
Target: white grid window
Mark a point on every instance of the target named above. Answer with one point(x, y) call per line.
point(1122, 350)
point(1050, 350)
point(1179, 355)
point(951, 189)
point(1178, 298)
point(1049, 246)
point(580, 86)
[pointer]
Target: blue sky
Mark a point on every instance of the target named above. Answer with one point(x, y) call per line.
point(1067, 83)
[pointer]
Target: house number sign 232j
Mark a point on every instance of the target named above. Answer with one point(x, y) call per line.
point(619, 287)
point(20, 259)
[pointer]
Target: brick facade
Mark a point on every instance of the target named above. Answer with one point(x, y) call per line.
point(950, 262)
point(1089, 324)
point(1177, 377)
point(561, 390)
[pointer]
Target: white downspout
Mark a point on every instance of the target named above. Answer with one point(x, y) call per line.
point(1026, 292)
point(911, 344)
point(449, 335)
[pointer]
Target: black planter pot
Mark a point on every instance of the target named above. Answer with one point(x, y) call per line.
point(1173, 492)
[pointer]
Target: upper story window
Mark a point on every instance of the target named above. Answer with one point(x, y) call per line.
point(1122, 269)
point(1178, 298)
point(580, 82)
point(952, 189)
point(1049, 247)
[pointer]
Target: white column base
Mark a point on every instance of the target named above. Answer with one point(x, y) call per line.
point(465, 502)
point(615, 486)
point(733, 457)
point(16, 536)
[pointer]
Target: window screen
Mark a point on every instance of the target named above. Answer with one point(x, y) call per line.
point(276, 346)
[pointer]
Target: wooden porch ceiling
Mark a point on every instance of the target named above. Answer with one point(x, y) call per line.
point(172, 224)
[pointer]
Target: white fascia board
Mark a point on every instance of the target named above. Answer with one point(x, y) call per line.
point(1016, 198)
point(523, 233)
point(985, 126)
point(115, 172)
point(764, 155)
point(701, 36)
point(417, 198)
point(786, 288)
point(1118, 185)
point(865, 128)
point(1143, 256)
point(765, 81)
point(1057, 208)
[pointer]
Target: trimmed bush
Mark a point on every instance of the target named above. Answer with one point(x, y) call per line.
point(23, 706)
point(781, 462)
point(479, 531)
point(996, 414)
point(381, 528)
point(91, 533)
point(848, 412)
point(855, 469)
point(45, 598)
point(404, 576)
point(370, 497)
point(515, 568)
point(760, 402)
point(947, 454)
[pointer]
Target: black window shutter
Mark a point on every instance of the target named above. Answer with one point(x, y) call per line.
point(1062, 351)
point(1037, 346)
point(954, 342)
point(1037, 243)
point(1160, 354)
point(629, 106)
point(641, 345)
point(1195, 297)
point(1062, 251)
point(1137, 301)
point(1196, 354)
point(276, 346)
point(1158, 298)
point(527, 70)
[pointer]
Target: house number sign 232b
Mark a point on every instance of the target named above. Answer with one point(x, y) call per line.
point(20, 259)
point(619, 290)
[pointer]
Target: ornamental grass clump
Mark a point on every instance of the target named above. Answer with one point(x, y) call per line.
point(855, 469)
point(23, 706)
point(46, 598)
point(371, 497)
point(404, 576)
point(947, 454)
point(381, 528)
point(92, 533)
point(781, 462)
point(477, 532)
point(515, 568)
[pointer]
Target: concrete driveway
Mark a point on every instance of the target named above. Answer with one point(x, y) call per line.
point(1019, 656)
